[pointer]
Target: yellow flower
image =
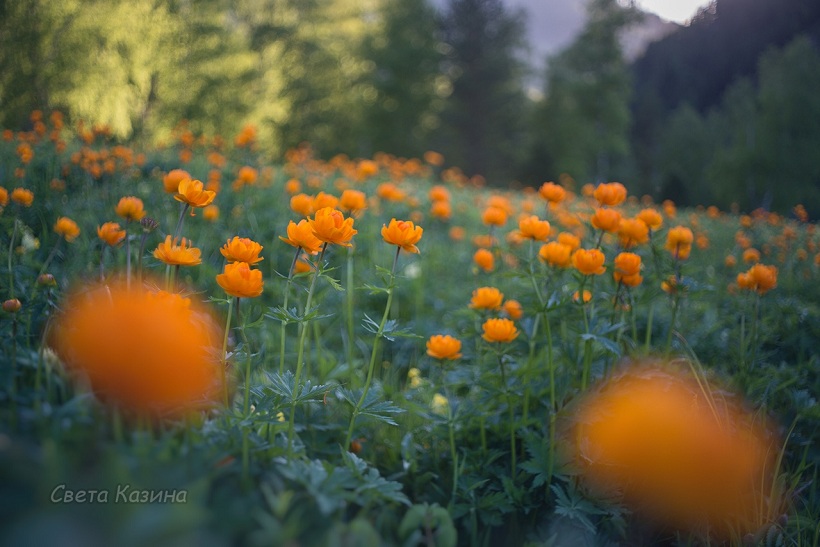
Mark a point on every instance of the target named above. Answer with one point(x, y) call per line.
point(67, 228)
point(111, 233)
point(330, 226)
point(173, 178)
point(194, 194)
point(301, 235)
point(439, 404)
point(531, 227)
point(499, 330)
point(242, 249)
point(238, 279)
point(402, 233)
point(589, 261)
point(486, 298)
point(177, 255)
point(130, 208)
point(444, 347)
point(23, 197)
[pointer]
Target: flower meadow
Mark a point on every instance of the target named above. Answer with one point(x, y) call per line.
point(204, 347)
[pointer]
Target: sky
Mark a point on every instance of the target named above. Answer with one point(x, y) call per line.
point(679, 11)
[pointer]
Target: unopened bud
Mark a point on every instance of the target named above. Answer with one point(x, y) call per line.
point(46, 280)
point(12, 305)
point(148, 224)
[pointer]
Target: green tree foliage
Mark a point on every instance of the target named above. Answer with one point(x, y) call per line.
point(584, 120)
point(483, 129)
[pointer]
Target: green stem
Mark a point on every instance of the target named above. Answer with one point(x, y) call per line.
point(675, 306)
point(374, 353)
point(11, 256)
point(349, 309)
point(754, 341)
point(285, 309)
point(127, 258)
point(225, 354)
point(139, 258)
point(510, 418)
point(648, 339)
point(50, 257)
point(453, 453)
point(303, 328)
point(246, 400)
point(182, 210)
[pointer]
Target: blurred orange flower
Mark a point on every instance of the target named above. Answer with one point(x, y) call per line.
point(149, 352)
point(402, 233)
point(22, 196)
point(238, 279)
point(4, 197)
point(494, 216)
point(302, 204)
point(193, 193)
point(111, 233)
point(531, 227)
point(441, 209)
point(444, 347)
point(628, 269)
point(513, 309)
point(553, 193)
point(759, 278)
point(570, 240)
point(486, 298)
point(751, 255)
point(679, 241)
point(610, 193)
point(171, 180)
point(651, 217)
point(556, 254)
point(175, 254)
point(589, 261)
point(242, 249)
point(330, 226)
point(632, 231)
point(607, 220)
point(484, 259)
point(499, 331)
point(130, 208)
point(353, 201)
point(322, 200)
point(439, 193)
point(67, 228)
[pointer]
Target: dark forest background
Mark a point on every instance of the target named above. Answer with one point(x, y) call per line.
point(723, 111)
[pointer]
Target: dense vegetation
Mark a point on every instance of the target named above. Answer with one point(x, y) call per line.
point(333, 410)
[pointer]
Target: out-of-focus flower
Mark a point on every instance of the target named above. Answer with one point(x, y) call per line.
point(353, 201)
point(499, 330)
point(486, 298)
point(751, 256)
point(556, 254)
point(439, 193)
point(494, 216)
point(632, 231)
point(513, 309)
point(651, 217)
point(240, 280)
point(628, 269)
point(130, 208)
point(434, 158)
point(531, 227)
point(439, 404)
point(210, 213)
point(589, 261)
point(111, 233)
point(610, 193)
point(607, 220)
point(322, 200)
point(67, 228)
point(148, 352)
point(402, 233)
point(587, 296)
point(676, 450)
point(484, 259)
point(679, 242)
point(4, 197)
point(302, 204)
point(330, 226)
point(177, 254)
point(242, 249)
point(22, 196)
point(759, 278)
point(570, 240)
point(173, 178)
point(553, 193)
point(441, 209)
point(444, 347)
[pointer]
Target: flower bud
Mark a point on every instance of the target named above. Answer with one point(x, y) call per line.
point(12, 305)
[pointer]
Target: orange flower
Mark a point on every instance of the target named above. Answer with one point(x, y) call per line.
point(302, 204)
point(194, 194)
point(444, 347)
point(390, 192)
point(751, 255)
point(610, 193)
point(675, 450)
point(130, 208)
point(494, 216)
point(402, 233)
point(177, 255)
point(589, 261)
point(23, 197)
point(607, 220)
point(301, 235)
point(12, 305)
point(238, 279)
point(150, 352)
point(730, 261)
point(353, 201)
point(679, 242)
point(760, 278)
point(322, 200)
point(439, 193)
point(651, 218)
point(210, 213)
point(513, 309)
point(242, 249)
point(292, 186)
point(553, 193)
point(441, 209)
point(628, 269)
point(434, 158)
point(486, 298)
point(302, 266)
point(570, 240)
point(4, 197)
point(531, 227)
point(576, 297)
point(499, 330)
point(556, 254)
point(456, 233)
point(633, 231)
point(330, 226)
point(173, 178)
point(247, 175)
point(484, 259)
point(111, 233)
point(67, 228)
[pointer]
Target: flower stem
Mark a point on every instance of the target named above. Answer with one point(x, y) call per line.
point(374, 352)
point(246, 399)
point(285, 309)
point(11, 256)
point(50, 257)
point(127, 259)
point(225, 354)
point(511, 417)
point(349, 309)
point(303, 328)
